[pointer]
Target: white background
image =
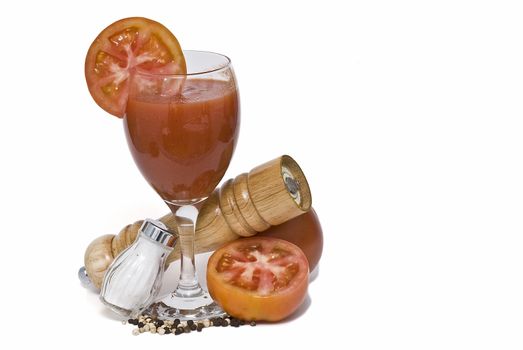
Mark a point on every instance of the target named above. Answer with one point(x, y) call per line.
point(406, 117)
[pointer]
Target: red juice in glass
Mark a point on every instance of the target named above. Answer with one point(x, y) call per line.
point(183, 143)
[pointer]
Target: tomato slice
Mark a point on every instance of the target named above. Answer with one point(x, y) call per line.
point(130, 44)
point(258, 278)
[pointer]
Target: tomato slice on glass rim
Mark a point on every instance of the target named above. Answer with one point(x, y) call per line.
point(258, 278)
point(130, 44)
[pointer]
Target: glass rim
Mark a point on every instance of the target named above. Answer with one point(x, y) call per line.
point(225, 65)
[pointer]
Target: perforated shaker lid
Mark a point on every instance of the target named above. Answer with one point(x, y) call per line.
point(158, 232)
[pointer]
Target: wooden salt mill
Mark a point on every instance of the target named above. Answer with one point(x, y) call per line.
point(269, 195)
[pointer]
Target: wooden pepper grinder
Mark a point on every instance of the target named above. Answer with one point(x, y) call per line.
point(270, 194)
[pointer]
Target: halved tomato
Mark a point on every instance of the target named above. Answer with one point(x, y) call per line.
point(258, 278)
point(127, 45)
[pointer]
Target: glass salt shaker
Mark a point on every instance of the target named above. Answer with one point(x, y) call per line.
point(133, 280)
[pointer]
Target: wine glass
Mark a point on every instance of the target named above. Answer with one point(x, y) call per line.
point(182, 130)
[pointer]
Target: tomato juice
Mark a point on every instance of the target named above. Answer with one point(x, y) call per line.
point(183, 143)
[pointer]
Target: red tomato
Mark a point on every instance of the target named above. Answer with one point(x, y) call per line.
point(304, 231)
point(127, 45)
point(258, 278)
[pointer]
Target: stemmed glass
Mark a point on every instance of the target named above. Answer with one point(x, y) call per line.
point(182, 131)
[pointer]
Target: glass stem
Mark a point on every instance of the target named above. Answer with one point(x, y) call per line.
point(188, 285)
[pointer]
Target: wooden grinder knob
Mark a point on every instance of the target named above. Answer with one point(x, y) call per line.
point(270, 194)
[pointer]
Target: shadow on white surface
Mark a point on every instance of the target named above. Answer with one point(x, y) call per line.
point(314, 274)
point(109, 314)
point(89, 287)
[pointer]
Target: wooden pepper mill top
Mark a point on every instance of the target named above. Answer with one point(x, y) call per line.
point(279, 190)
point(270, 194)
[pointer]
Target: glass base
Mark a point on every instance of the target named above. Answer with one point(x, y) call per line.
point(194, 308)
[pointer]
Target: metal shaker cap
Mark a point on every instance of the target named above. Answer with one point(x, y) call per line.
point(158, 232)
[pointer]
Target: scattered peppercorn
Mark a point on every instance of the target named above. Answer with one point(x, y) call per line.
point(146, 323)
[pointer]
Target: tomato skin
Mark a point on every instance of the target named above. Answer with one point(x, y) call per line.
point(248, 305)
point(304, 231)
